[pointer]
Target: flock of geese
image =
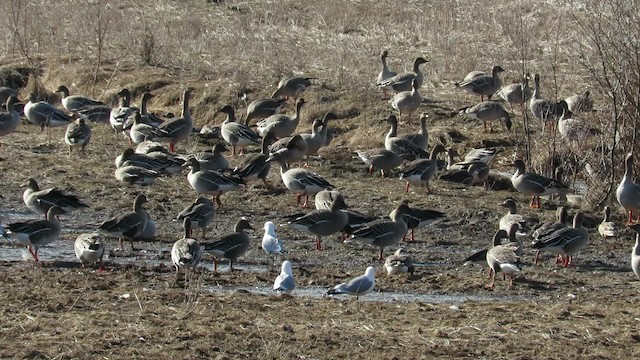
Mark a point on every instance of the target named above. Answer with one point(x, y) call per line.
point(210, 175)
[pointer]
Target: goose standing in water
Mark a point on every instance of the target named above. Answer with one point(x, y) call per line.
point(35, 234)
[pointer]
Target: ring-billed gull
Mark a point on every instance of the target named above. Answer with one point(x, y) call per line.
point(357, 287)
point(284, 282)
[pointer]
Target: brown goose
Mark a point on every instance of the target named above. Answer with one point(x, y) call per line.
point(322, 222)
point(128, 225)
point(178, 129)
point(201, 214)
point(186, 252)
point(36, 233)
point(229, 246)
point(41, 201)
point(483, 84)
point(383, 233)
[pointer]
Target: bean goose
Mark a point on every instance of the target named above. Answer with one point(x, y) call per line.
point(78, 134)
point(315, 140)
point(290, 148)
point(512, 217)
point(487, 111)
point(281, 125)
point(478, 171)
point(385, 73)
point(607, 228)
point(75, 102)
point(635, 252)
point(485, 155)
point(284, 282)
point(139, 131)
point(214, 159)
point(628, 192)
point(212, 183)
point(580, 102)
point(178, 129)
point(404, 81)
point(401, 146)
point(570, 128)
point(135, 175)
point(565, 242)
point(41, 201)
point(186, 252)
point(420, 172)
point(146, 116)
point(399, 263)
point(119, 115)
point(158, 164)
point(292, 87)
point(89, 249)
point(255, 166)
point(300, 181)
point(381, 159)
point(517, 93)
point(418, 218)
point(420, 139)
point(535, 185)
point(358, 286)
point(201, 213)
point(235, 134)
point(483, 84)
point(407, 102)
point(263, 108)
point(35, 234)
point(128, 225)
point(229, 246)
point(549, 227)
point(97, 113)
point(384, 233)
point(503, 258)
point(323, 222)
point(544, 110)
point(5, 93)
point(9, 119)
point(43, 114)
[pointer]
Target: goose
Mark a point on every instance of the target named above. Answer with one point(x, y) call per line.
point(255, 166)
point(148, 146)
point(401, 146)
point(628, 192)
point(284, 282)
point(89, 249)
point(323, 222)
point(570, 128)
point(487, 111)
point(159, 163)
point(517, 93)
point(139, 131)
point(580, 102)
point(485, 155)
point(358, 286)
point(635, 252)
point(201, 214)
point(300, 181)
point(398, 263)
point(382, 159)
point(544, 110)
point(534, 184)
point(290, 148)
point(404, 81)
point(327, 133)
point(35, 234)
point(5, 93)
point(186, 252)
point(263, 108)
point(326, 197)
point(503, 258)
point(478, 171)
point(418, 218)
point(128, 225)
point(210, 132)
point(512, 216)
point(78, 134)
point(9, 119)
point(292, 87)
point(119, 115)
point(212, 183)
point(565, 242)
point(75, 102)
point(607, 228)
point(43, 114)
point(385, 73)
point(407, 102)
point(420, 139)
point(271, 244)
point(420, 172)
point(96, 113)
point(229, 246)
point(549, 227)
point(180, 128)
point(149, 231)
point(483, 84)
point(40, 201)
point(315, 140)
point(235, 134)
point(213, 160)
point(135, 175)
point(147, 117)
point(281, 125)
point(384, 233)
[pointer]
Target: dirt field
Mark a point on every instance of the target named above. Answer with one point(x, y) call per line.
point(137, 308)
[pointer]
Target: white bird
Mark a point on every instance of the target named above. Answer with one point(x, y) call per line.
point(357, 287)
point(89, 248)
point(284, 282)
point(270, 242)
